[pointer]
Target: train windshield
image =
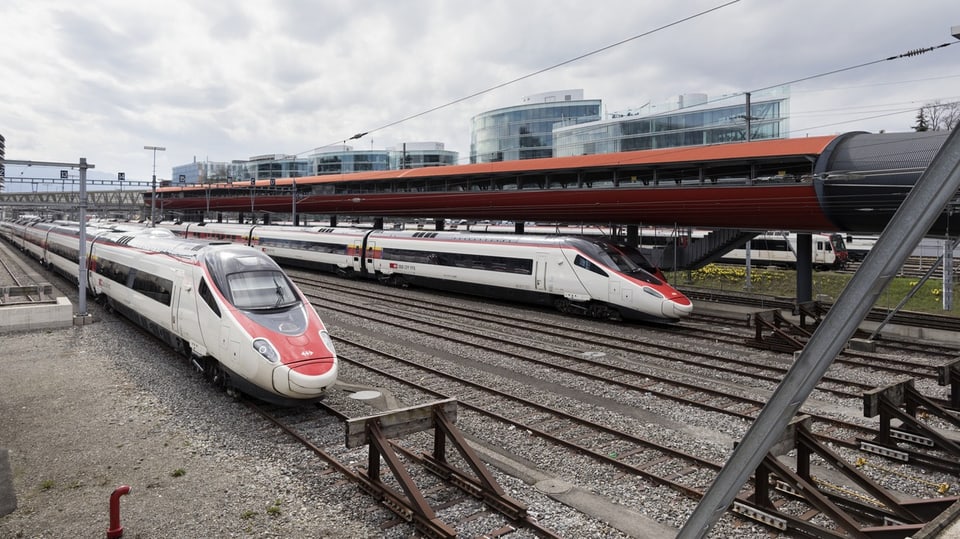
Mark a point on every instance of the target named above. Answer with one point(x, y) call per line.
point(259, 290)
point(624, 259)
point(838, 243)
point(250, 279)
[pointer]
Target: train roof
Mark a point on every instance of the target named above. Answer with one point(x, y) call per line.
point(159, 240)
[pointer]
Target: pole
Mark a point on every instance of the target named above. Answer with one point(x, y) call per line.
point(153, 196)
point(748, 117)
point(947, 289)
point(82, 256)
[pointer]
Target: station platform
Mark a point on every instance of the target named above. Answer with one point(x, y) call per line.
point(50, 307)
point(747, 313)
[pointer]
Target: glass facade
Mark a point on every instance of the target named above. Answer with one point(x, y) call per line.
point(257, 168)
point(328, 160)
point(344, 159)
point(714, 122)
point(526, 131)
point(420, 155)
point(277, 167)
point(347, 160)
point(552, 124)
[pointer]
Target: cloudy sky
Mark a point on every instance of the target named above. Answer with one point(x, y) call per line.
point(229, 80)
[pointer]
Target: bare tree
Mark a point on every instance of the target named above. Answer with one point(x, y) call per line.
point(941, 116)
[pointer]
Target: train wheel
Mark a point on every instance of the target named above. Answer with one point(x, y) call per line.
point(394, 280)
point(213, 372)
point(563, 305)
point(568, 307)
point(600, 311)
point(183, 347)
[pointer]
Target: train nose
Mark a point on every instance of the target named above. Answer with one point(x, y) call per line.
point(677, 307)
point(305, 378)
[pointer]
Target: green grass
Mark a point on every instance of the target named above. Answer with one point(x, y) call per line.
point(827, 286)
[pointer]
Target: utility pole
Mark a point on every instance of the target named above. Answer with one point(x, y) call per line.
point(153, 196)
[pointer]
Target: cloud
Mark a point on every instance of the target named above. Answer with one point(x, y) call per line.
point(229, 80)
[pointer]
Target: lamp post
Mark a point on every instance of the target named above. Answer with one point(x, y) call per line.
point(153, 196)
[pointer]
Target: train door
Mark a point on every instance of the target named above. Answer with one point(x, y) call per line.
point(369, 254)
point(540, 271)
point(198, 323)
point(821, 252)
point(175, 301)
point(360, 262)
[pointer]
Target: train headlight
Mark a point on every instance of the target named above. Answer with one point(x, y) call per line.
point(654, 293)
point(265, 349)
point(327, 341)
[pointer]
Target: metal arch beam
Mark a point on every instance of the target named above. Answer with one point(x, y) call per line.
point(916, 215)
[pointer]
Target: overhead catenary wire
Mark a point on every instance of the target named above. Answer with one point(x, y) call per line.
point(533, 74)
point(909, 54)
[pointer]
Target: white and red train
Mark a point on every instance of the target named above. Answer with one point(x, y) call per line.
point(230, 308)
point(585, 275)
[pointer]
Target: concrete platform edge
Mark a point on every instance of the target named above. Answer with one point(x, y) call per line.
point(31, 317)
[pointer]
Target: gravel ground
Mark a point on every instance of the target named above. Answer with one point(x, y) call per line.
point(88, 409)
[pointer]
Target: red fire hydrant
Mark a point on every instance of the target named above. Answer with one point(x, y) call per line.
point(116, 530)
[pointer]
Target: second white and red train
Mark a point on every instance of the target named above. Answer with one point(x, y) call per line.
point(586, 275)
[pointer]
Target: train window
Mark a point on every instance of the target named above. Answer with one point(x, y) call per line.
point(584, 263)
point(112, 270)
point(502, 264)
point(409, 255)
point(207, 295)
point(154, 287)
point(68, 252)
point(315, 246)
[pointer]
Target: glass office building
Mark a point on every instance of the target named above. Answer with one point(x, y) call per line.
point(687, 120)
point(338, 159)
point(526, 131)
point(344, 159)
point(261, 167)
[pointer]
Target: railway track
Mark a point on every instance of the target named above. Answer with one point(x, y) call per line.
point(16, 286)
point(436, 499)
point(618, 481)
point(905, 318)
point(586, 433)
point(914, 266)
point(558, 368)
point(673, 353)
